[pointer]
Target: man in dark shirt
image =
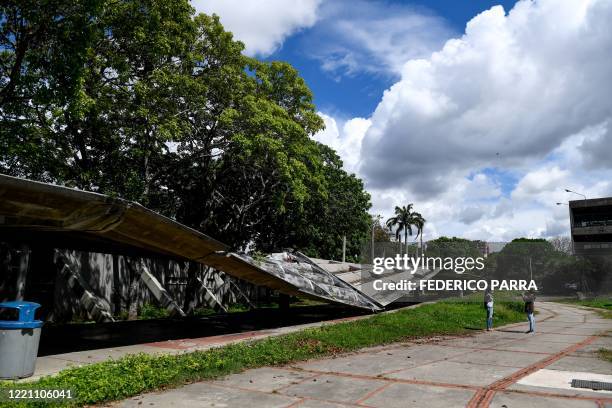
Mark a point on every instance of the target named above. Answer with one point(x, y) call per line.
point(529, 299)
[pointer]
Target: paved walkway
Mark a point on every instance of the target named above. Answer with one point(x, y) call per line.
point(505, 368)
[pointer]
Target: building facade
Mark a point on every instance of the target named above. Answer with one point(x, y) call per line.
point(591, 226)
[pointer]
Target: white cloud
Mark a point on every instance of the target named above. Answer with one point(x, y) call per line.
point(524, 93)
point(261, 24)
point(346, 140)
point(373, 36)
point(512, 87)
point(543, 180)
point(596, 146)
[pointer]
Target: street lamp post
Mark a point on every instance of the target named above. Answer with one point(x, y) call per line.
point(567, 190)
point(375, 221)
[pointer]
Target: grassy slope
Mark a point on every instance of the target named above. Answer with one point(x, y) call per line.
point(603, 303)
point(599, 302)
point(605, 354)
point(131, 375)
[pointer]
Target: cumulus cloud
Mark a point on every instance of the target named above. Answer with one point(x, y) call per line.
point(261, 24)
point(373, 36)
point(514, 86)
point(345, 139)
point(470, 214)
point(522, 93)
point(597, 147)
point(482, 131)
point(543, 180)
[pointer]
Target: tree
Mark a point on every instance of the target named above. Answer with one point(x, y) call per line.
point(381, 234)
point(144, 100)
point(92, 106)
point(318, 227)
point(402, 221)
point(43, 47)
point(562, 244)
point(419, 223)
point(453, 247)
point(525, 257)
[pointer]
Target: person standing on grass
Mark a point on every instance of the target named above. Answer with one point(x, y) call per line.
point(529, 299)
point(488, 304)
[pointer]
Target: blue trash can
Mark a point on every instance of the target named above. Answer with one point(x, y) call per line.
point(19, 339)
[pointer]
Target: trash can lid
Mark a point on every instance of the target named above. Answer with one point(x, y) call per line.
point(26, 315)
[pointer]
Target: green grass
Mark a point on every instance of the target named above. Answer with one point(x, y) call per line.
point(150, 311)
point(605, 354)
point(598, 302)
point(603, 302)
point(134, 374)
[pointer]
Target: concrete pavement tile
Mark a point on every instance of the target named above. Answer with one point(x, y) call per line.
point(334, 388)
point(363, 364)
point(451, 372)
point(483, 341)
point(590, 350)
point(417, 396)
point(511, 333)
point(605, 341)
point(265, 379)
point(205, 395)
point(561, 338)
point(582, 364)
point(533, 345)
point(423, 353)
point(547, 329)
point(503, 358)
point(517, 400)
point(384, 361)
point(310, 403)
point(580, 331)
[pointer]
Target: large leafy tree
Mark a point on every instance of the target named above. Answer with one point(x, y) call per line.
point(144, 100)
point(43, 46)
point(336, 209)
point(524, 257)
point(93, 110)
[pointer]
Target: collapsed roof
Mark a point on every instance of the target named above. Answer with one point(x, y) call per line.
point(72, 218)
point(69, 218)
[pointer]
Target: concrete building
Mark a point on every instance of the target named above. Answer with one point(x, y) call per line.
point(591, 226)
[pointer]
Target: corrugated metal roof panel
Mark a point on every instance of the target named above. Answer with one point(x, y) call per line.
point(32, 206)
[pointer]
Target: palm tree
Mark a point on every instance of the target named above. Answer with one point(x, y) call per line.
point(419, 223)
point(403, 221)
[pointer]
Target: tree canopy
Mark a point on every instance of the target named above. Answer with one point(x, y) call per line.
point(144, 100)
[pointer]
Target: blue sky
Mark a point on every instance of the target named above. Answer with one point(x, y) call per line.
point(479, 112)
point(358, 95)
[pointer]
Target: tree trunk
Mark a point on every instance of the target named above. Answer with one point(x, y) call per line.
point(422, 248)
